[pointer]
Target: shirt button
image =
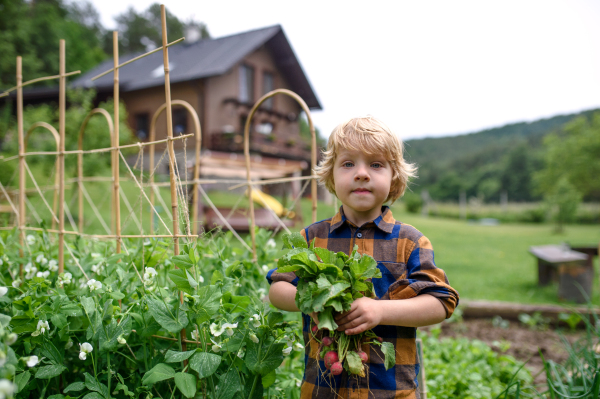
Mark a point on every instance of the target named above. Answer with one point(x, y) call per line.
point(359, 235)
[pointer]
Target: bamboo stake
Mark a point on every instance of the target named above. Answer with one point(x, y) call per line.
point(21, 85)
point(56, 136)
point(273, 181)
point(115, 137)
point(313, 160)
point(163, 17)
point(61, 159)
point(80, 178)
point(21, 161)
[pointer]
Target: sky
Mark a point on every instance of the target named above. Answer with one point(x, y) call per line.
point(427, 68)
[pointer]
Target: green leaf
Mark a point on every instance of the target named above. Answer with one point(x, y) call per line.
point(269, 379)
point(21, 324)
point(71, 310)
point(88, 304)
point(262, 358)
point(325, 255)
point(50, 351)
point(294, 240)
point(253, 386)
point(326, 320)
point(205, 364)
point(390, 354)
point(235, 303)
point(174, 357)
point(117, 295)
point(57, 396)
point(160, 372)
point(125, 390)
point(229, 384)
point(59, 320)
point(354, 363)
point(4, 320)
point(94, 385)
point(93, 395)
point(46, 372)
point(170, 319)
point(186, 384)
point(274, 318)
point(21, 380)
point(109, 335)
point(182, 261)
point(76, 386)
point(208, 301)
point(179, 278)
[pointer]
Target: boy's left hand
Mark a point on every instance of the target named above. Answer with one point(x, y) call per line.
point(364, 314)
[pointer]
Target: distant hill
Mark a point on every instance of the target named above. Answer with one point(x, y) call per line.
point(484, 163)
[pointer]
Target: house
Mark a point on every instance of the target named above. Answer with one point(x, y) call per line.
point(221, 79)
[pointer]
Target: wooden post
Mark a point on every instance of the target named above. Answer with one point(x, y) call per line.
point(21, 160)
point(61, 159)
point(115, 141)
point(163, 17)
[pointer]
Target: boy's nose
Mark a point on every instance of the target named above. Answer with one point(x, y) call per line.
point(361, 173)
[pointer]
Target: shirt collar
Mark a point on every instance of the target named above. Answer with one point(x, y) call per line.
point(384, 222)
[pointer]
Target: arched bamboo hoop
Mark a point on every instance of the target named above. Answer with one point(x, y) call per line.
point(54, 132)
point(80, 156)
point(151, 139)
point(313, 155)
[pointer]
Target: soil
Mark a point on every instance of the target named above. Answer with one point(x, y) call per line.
point(525, 343)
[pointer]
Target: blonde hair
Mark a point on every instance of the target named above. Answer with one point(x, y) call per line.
point(371, 136)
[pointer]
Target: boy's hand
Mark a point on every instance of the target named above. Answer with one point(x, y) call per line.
point(364, 314)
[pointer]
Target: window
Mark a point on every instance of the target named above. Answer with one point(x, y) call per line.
point(246, 84)
point(179, 121)
point(268, 85)
point(142, 126)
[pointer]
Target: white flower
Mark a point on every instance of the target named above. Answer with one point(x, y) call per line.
point(6, 388)
point(253, 338)
point(84, 349)
point(11, 339)
point(16, 283)
point(69, 344)
point(298, 346)
point(195, 335)
point(64, 278)
point(121, 340)
point(2, 358)
point(41, 259)
point(1, 262)
point(229, 328)
point(3, 291)
point(265, 268)
point(30, 239)
point(255, 320)
point(261, 292)
point(97, 268)
point(147, 242)
point(271, 243)
point(30, 271)
point(95, 255)
point(241, 352)
point(42, 327)
point(215, 347)
point(32, 361)
point(94, 285)
point(200, 279)
point(150, 289)
point(43, 274)
point(287, 350)
point(216, 330)
point(150, 273)
point(298, 383)
point(53, 265)
point(82, 282)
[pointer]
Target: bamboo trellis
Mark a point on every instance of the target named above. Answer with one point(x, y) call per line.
point(58, 210)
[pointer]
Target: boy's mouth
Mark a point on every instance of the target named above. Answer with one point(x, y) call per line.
point(361, 190)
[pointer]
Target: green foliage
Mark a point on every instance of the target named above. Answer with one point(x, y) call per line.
point(535, 321)
point(563, 200)
point(483, 372)
point(142, 31)
point(413, 202)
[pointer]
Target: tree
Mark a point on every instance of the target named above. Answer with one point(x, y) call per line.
point(573, 154)
point(142, 32)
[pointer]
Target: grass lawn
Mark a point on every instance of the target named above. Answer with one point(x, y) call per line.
point(482, 262)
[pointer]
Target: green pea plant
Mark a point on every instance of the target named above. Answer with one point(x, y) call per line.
point(144, 323)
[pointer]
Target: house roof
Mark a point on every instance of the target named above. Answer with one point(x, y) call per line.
point(203, 59)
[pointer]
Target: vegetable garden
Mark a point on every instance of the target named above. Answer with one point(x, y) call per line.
point(169, 313)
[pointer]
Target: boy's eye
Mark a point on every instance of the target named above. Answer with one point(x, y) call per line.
point(347, 164)
point(376, 165)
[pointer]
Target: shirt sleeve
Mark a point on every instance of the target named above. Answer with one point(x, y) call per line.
point(273, 275)
point(424, 277)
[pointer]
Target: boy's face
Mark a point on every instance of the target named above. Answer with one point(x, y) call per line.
point(362, 182)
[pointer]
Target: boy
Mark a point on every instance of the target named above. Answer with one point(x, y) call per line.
point(364, 167)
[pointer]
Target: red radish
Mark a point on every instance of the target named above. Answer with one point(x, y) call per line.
point(379, 339)
point(363, 356)
point(336, 368)
point(330, 358)
point(327, 341)
point(314, 329)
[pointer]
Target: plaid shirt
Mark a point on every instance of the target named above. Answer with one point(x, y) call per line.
point(405, 258)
